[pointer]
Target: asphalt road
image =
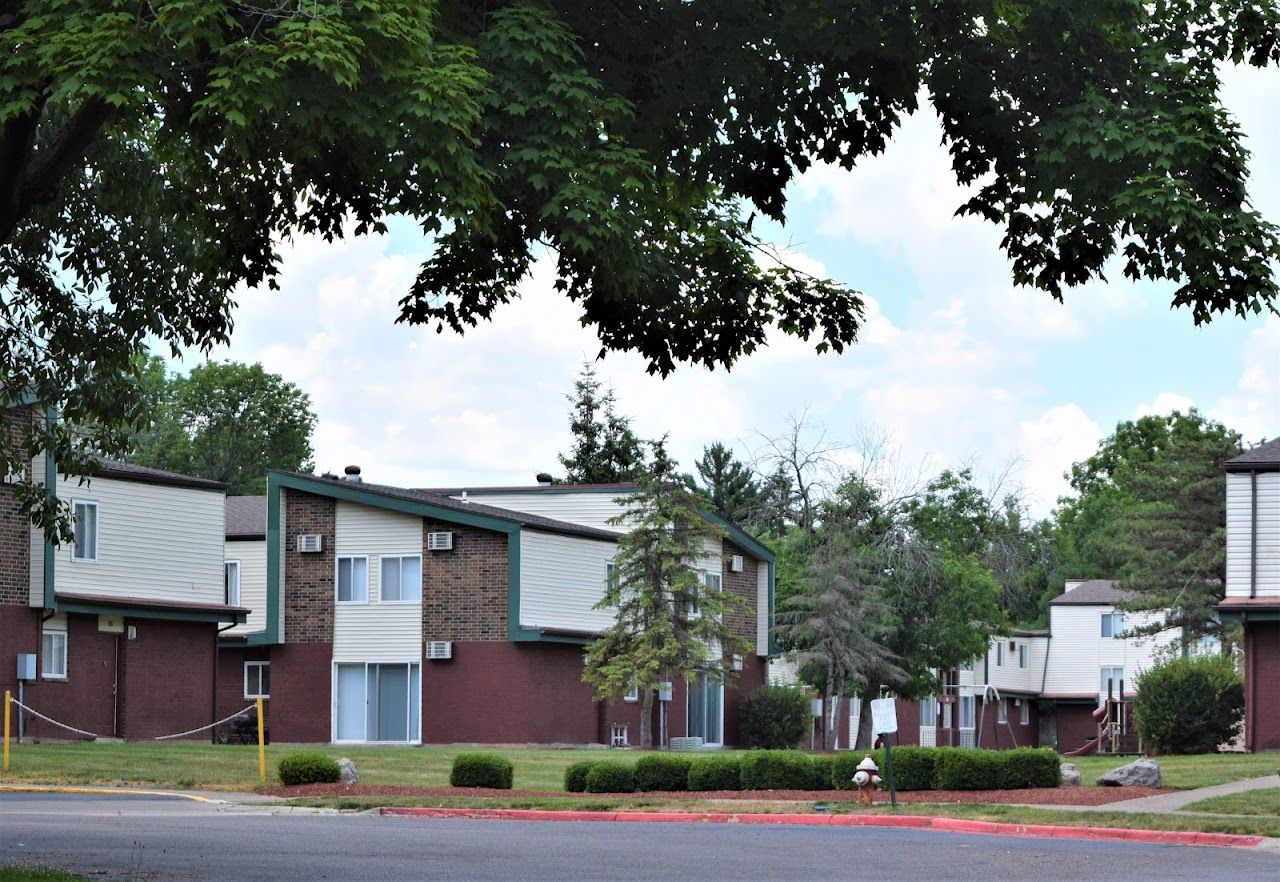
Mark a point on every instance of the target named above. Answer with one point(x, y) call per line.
point(147, 839)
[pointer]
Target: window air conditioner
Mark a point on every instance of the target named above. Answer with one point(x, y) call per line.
point(438, 650)
point(735, 564)
point(309, 543)
point(439, 542)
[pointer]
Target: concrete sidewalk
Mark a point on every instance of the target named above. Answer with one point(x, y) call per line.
point(1179, 799)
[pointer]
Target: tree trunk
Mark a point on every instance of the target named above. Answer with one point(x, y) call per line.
point(646, 719)
point(830, 698)
point(865, 736)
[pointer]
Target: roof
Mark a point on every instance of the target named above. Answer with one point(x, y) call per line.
point(624, 487)
point(127, 471)
point(438, 500)
point(1094, 592)
point(246, 517)
point(1263, 458)
point(149, 607)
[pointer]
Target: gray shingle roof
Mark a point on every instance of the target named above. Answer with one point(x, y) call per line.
point(246, 517)
point(127, 471)
point(1094, 592)
point(1265, 457)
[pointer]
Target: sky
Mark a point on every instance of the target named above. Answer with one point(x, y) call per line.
point(955, 366)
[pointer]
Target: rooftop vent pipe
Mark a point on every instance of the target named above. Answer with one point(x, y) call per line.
point(544, 479)
point(353, 474)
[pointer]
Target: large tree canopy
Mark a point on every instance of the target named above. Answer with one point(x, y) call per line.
point(154, 152)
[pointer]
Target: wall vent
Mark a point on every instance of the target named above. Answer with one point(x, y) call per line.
point(735, 564)
point(439, 542)
point(309, 543)
point(438, 650)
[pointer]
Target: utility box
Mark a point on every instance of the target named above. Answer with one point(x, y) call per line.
point(26, 666)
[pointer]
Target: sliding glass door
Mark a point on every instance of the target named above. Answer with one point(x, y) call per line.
point(706, 705)
point(377, 701)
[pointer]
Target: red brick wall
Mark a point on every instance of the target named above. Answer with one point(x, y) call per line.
point(740, 618)
point(15, 531)
point(1262, 685)
point(308, 590)
point(464, 595)
point(85, 699)
point(19, 632)
point(231, 678)
point(1076, 725)
point(301, 683)
point(167, 677)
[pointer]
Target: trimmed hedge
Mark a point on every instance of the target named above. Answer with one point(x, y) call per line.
point(777, 770)
point(820, 768)
point(846, 764)
point(575, 776)
point(308, 768)
point(715, 773)
point(1029, 767)
point(773, 717)
point(914, 768)
point(611, 777)
point(481, 770)
point(658, 771)
point(968, 769)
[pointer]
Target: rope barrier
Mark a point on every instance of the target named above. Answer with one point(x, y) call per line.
point(203, 728)
point(37, 713)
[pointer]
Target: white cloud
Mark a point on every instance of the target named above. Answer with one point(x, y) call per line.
point(1253, 407)
point(1165, 403)
point(1047, 446)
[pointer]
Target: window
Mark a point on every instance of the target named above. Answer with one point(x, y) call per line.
point(377, 701)
point(53, 655)
point(633, 694)
point(85, 546)
point(929, 712)
point(353, 580)
point(967, 666)
point(712, 583)
point(946, 716)
point(1000, 654)
point(1113, 677)
point(231, 581)
point(1022, 655)
point(401, 579)
point(1024, 712)
point(618, 736)
point(1112, 624)
point(967, 704)
point(257, 679)
point(610, 576)
point(1002, 711)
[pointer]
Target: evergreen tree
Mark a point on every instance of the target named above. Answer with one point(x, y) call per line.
point(728, 484)
point(604, 449)
point(668, 622)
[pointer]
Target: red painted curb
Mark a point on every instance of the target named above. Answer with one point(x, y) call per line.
point(949, 825)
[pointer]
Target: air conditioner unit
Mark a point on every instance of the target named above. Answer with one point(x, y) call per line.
point(309, 543)
point(1013, 645)
point(438, 650)
point(439, 542)
point(735, 564)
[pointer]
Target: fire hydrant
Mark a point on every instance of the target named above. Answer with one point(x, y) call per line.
point(866, 779)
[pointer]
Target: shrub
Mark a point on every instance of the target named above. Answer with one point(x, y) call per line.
point(715, 773)
point(659, 771)
point(846, 764)
point(1028, 767)
point(773, 717)
point(1189, 705)
point(611, 777)
point(575, 776)
point(820, 768)
point(965, 768)
point(481, 770)
point(914, 768)
point(308, 768)
point(776, 770)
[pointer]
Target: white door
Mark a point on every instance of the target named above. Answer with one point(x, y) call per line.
point(929, 722)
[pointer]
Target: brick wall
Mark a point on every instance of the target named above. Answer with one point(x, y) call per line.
point(741, 618)
point(301, 676)
point(464, 591)
point(308, 589)
point(19, 633)
point(167, 677)
point(15, 528)
point(1262, 685)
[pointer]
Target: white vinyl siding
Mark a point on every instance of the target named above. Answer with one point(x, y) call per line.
point(1025, 676)
point(155, 542)
point(1240, 538)
point(561, 579)
point(762, 608)
point(374, 630)
point(1269, 534)
point(252, 556)
point(586, 509)
point(1078, 649)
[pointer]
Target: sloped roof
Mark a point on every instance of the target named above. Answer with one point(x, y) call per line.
point(624, 487)
point(1094, 592)
point(1263, 458)
point(246, 517)
point(127, 471)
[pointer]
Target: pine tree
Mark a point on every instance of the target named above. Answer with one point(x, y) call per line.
point(728, 483)
point(668, 623)
point(605, 450)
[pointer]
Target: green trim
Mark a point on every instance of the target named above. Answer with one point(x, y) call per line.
point(253, 638)
point(738, 536)
point(772, 642)
point(514, 631)
point(272, 632)
point(1244, 616)
point(145, 612)
point(51, 493)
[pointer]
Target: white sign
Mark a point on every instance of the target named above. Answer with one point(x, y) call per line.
point(884, 716)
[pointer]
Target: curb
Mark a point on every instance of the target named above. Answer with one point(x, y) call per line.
point(98, 791)
point(949, 825)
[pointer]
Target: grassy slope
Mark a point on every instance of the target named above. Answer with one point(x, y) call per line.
point(1189, 772)
point(1255, 802)
point(24, 873)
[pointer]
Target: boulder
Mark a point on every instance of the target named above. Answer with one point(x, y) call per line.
point(1143, 773)
point(347, 771)
point(1070, 775)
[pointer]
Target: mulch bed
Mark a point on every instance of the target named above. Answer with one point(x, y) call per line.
point(1037, 796)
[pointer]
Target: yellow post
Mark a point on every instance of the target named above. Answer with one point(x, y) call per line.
point(262, 750)
point(7, 699)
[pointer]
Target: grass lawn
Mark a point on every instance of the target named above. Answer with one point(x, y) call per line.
point(24, 873)
point(1255, 802)
point(1188, 772)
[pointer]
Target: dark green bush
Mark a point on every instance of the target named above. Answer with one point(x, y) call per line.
point(845, 764)
point(1029, 767)
point(661, 771)
point(575, 776)
point(967, 769)
point(774, 717)
point(308, 768)
point(481, 770)
point(715, 773)
point(776, 770)
point(820, 767)
point(611, 777)
point(914, 768)
point(1189, 705)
